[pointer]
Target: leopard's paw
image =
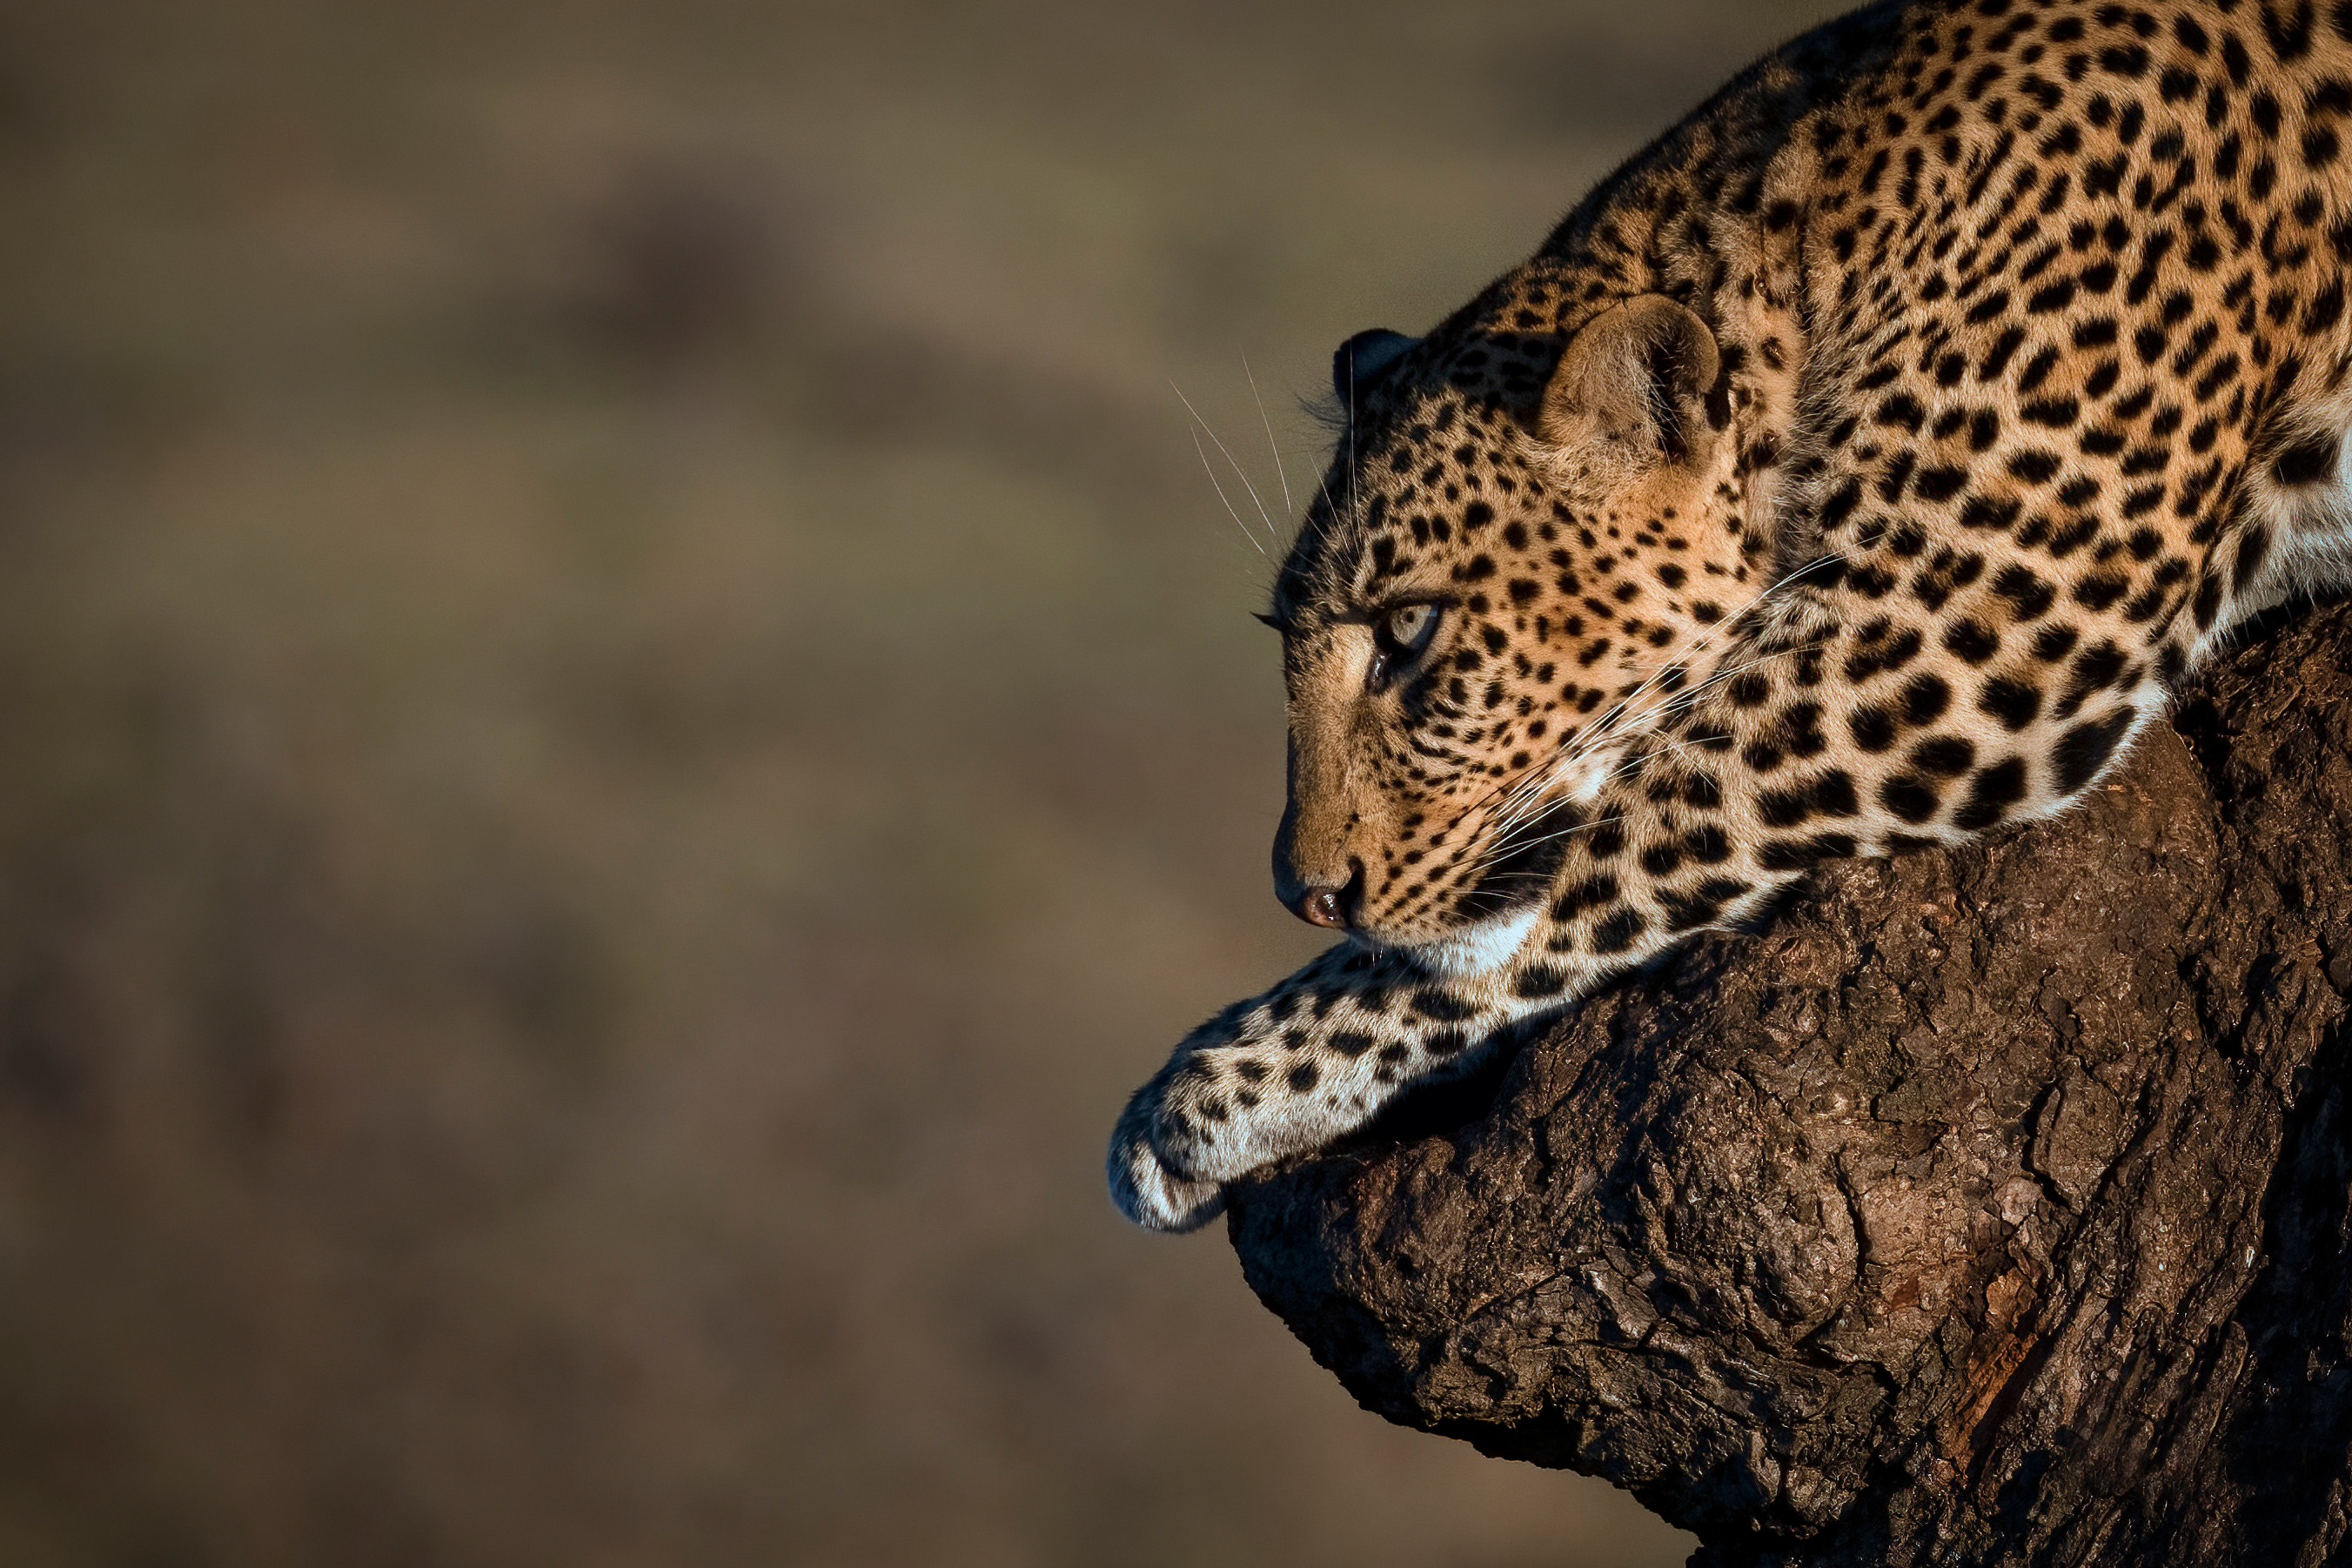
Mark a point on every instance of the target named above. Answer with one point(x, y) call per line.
point(1146, 1190)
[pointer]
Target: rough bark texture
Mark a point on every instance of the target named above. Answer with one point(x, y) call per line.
point(1992, 1207)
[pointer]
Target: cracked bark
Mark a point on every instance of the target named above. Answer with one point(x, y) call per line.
point(1991, 1206)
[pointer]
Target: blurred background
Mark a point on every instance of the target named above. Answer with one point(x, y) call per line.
point(626, 717)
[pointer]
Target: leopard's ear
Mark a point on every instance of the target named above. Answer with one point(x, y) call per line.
point(1363, 360)
point(1643, 374)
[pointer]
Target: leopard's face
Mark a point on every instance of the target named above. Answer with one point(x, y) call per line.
point(1515, 555)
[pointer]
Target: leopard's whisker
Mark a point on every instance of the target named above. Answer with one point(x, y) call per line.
point(1355, 485)
point(1271, 531)
point(1207, 469)
point(1565, 833)
point(1680, 701)
point(1280, 471)
point(1508, 842)
point(1540, 783)
point(1622, 770)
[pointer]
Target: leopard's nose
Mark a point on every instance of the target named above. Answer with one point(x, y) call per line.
point(1319, 903)
point(1321, 908)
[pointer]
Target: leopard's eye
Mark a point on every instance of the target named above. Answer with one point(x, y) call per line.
point(1401, 636)
point(1407, 630)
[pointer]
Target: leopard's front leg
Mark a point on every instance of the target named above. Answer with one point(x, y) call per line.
point(1290, 1071)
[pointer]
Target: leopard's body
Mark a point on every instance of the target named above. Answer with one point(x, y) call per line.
point(1854, 471)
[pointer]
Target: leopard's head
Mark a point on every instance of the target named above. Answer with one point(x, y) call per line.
point(1523, 548)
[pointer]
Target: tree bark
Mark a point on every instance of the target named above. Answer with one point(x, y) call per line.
point(1993, 1207)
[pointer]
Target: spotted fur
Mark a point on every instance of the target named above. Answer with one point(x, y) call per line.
point(1852, 472)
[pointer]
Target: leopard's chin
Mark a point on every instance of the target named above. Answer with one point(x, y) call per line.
point(1463, 951)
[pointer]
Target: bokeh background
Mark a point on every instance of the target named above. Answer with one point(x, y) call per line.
point(626, 715)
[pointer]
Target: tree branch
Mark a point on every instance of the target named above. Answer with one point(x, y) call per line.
point(1991, 1202)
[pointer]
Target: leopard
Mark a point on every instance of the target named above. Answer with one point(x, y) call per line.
point(1857, 470)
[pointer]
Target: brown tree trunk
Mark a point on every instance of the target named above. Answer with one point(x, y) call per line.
point(1991, 1207)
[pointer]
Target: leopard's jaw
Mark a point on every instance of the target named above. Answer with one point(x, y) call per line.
point(2034, 330)
point(1473, 949)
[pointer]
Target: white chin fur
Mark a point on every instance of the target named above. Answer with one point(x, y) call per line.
point(1478, 949)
